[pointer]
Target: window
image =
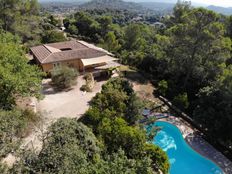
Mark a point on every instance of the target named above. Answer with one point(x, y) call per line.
point(56, 65)
point(65, 49)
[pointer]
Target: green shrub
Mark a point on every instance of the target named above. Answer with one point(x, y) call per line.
point(52, 36)
point(181, 101)
point(73, 30)
point(88, 77)
point(64, 77)
point(86, 88)
point(158, 156)
point(89, 83)
point(14, 125)
point(163, 87)
point(113, 116)
point(3, 169)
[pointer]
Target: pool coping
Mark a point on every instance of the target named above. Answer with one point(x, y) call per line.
point(191, 146)
point(223, 152)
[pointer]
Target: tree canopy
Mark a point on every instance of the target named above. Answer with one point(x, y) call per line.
point(184, 59)
point(71, 147)
point(114, 116)
point(17, 77)
point(21, 17)
point(189, 59)
point(51, 36)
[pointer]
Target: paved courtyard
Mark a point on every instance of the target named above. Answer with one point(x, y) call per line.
point(70, 104)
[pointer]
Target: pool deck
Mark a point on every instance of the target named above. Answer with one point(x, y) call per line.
point(200, 145)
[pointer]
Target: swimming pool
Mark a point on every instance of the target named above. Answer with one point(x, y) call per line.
point(183, 159)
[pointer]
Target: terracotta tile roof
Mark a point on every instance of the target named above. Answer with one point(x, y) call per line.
point(73, 54)
point(40, 52)
point(52, 49)
point(74, 45)
point(63, 51)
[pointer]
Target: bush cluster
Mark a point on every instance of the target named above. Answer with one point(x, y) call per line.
point(64, 77)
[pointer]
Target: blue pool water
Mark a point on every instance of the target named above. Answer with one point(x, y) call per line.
point(183, 159)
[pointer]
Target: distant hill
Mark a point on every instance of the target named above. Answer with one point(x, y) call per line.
point(140, 6)
point(222, 10)
point(168, 7)
point(161, 1)
point(159, 6)
point(63, 1)
point(113, 4)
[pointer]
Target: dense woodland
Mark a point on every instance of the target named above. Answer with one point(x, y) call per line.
point(108, 138)
point(189, 61)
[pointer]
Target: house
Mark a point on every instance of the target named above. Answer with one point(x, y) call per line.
point(159, 25)
point(76, 54)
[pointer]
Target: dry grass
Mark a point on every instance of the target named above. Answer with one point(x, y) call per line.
point(142, 86)
point(132, 75)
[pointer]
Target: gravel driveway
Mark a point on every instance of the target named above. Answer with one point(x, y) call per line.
point(70, 104)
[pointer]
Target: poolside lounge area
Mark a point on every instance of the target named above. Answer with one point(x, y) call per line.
point(191, 135)
point(148, 113)
point(194, 139)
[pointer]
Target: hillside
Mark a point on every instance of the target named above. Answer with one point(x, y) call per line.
point(158, 6)
point(113, 4)
point(165, 7)
point(222, 10)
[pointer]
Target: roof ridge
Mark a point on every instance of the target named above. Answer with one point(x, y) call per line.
point(48, 55)
point(80, 42)
point(44, 45)
point(75, 50)
point(100, 51)
point(52, 49)
point(94, 47)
